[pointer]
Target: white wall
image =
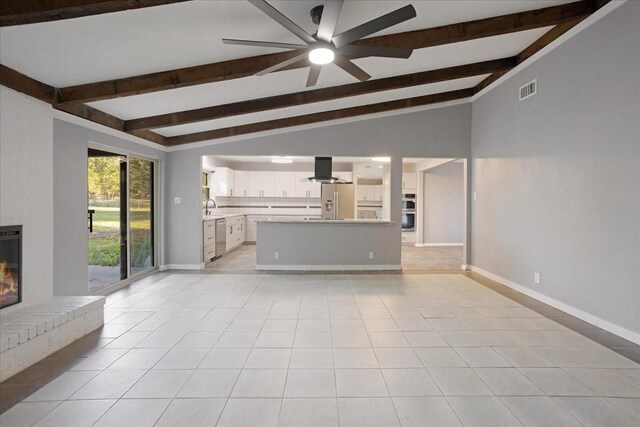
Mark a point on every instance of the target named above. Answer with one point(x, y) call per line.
point(440, 132)
point(71, 143)
point(26, 188)
point(443, 204)
point(557, 176)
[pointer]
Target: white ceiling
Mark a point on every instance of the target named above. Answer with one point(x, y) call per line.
point(124, 44)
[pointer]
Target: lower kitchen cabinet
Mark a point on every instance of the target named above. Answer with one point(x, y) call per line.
point(235, 232)
point(209, 240)
point(408, 238)
point(252, 228)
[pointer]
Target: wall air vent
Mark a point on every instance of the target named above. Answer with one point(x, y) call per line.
point(529, 89)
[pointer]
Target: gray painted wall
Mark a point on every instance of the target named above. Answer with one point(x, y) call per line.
point(443, 204)
point(442, 132)
point(70, 145)
point(557, 175)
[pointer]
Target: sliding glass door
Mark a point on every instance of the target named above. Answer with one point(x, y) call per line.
point(141, 214)
point(107, 215)
point(120, 217)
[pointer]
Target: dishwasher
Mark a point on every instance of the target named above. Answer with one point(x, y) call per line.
point(221, 237)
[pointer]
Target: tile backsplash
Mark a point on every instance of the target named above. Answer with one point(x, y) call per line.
point(268, 206)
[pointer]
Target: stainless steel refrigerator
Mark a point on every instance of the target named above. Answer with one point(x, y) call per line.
point(338, 201)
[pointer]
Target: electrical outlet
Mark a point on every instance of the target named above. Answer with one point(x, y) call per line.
point(536, 277)
point(177, 200)
point(276, 255)
point(370, 255)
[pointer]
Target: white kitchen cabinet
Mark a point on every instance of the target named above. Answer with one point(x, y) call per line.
point(366, 193)
point(305, 188)
point(252, 228)
point(209, 239)
point(347, 176)
point(261, 184)
point(378, 193)
point(285, 184)
point(235, 232)
point(409, 181)
point(222, 182)
point(408, 238)
point(241, 184)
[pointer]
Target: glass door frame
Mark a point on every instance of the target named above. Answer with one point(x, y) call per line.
point(154, 220)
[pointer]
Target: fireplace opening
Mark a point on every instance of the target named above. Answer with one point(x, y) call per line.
point(10, 265)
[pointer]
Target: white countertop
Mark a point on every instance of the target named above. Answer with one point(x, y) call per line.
point(231, 215)
point(214, 217)
point(327, 221)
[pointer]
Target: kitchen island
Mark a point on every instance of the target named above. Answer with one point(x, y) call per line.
point(313, 244)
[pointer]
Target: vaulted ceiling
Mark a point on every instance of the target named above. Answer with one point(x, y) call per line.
point(158, 69)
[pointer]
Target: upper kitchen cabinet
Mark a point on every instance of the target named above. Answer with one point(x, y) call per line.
point(285, 184)
point(241, 184)
point(305, 188)
point(378, 192)
point(222, 182)
point(409, 182)
point(347, 176)
point(261, 184)
point(366, 193)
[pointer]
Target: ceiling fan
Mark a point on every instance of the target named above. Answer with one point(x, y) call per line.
point(324, 47)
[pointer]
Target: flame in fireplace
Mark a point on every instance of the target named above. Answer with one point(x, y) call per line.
point(8, 285)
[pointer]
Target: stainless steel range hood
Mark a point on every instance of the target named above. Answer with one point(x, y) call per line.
point(322, 172)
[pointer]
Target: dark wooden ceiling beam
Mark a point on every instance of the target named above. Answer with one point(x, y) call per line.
point(238, 68)
point(25, 84)
point(546, 39)
point(20, 12)
point(319, 95)
point(36, 89)
point(321, 117)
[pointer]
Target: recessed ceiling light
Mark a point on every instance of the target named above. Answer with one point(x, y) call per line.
point(281, 159)
point(380, 166)
point(381, 159)
point(321, 55)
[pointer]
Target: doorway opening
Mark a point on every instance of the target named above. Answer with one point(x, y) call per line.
point(434, 201)
point(120, 216)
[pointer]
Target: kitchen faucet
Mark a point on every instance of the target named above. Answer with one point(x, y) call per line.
point(206, 206)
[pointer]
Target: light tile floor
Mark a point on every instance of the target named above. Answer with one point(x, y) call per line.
point(330, 350)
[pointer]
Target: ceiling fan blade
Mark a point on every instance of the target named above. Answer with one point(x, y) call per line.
point(330, 15)
point(282, 20)
point(314, 73)
point(264, 44)
point(351, 68)
point(283, 64)
point(364, 51)
point(375, 25)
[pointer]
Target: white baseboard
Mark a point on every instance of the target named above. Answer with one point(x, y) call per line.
point(424, 245)
point(329, 267)
point(576, 312)
point(181, 267)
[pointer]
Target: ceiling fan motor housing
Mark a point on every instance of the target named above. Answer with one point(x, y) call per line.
point(316, 14)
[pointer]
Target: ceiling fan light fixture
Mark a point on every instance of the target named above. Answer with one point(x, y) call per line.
point(321, 55)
